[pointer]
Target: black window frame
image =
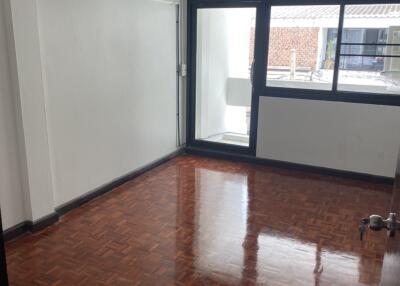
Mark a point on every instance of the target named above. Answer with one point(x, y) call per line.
point(324, 95)
point(260, 88)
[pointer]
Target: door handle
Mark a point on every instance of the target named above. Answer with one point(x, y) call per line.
point(377, 223)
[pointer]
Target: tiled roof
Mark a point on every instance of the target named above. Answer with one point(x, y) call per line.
point(327, 11)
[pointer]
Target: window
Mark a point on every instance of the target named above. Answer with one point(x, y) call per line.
point(302, 45)
point(370, 49)
point(304, 53)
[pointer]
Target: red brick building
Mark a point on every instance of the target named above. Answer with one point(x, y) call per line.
point(312, 36)
point(283, 40)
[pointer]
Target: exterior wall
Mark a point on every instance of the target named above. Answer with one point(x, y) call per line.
point(303, 40)
point(282, 40)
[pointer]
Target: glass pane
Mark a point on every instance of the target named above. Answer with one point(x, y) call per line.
point(372, 31)
point(369, 50)
point(302, 46)
point(225, 48)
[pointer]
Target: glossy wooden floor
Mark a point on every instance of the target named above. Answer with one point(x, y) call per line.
point(199, 221)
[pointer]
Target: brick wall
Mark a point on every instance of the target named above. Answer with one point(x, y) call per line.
point(282, 40)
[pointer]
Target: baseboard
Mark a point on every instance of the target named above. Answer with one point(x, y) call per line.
point(29, 226)
point(63, 209)
point(291, 166)
point(15, 231)
point(42, 223)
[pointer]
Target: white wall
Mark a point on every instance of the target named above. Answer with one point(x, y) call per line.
point(11, 196)
point(88, 94)
point(346, 136)
point(109, 79)
point(27, 78)
point(212, 71)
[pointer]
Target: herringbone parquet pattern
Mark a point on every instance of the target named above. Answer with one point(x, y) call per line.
point(199, 221)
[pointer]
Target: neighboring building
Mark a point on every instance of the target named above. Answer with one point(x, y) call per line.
point(312, 31)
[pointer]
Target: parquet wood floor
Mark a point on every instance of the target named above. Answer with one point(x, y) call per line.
point(200, 221)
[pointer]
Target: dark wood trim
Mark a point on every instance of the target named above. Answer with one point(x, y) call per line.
point(42, 223)
point(290, 166)
point(15, 231)
point(29, 226)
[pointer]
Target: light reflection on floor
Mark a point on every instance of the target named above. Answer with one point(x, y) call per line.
point(230, 248)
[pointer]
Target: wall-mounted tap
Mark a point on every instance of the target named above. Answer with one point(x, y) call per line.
point(377, 223)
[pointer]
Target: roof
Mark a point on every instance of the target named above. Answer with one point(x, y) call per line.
point(332, 11)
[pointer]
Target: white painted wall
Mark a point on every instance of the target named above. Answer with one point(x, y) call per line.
point(212, 71)
point(109, 79)
point(11, 196)
point(27, 78)
point(346, 136)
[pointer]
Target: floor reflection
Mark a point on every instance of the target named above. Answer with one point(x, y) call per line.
point(254, 227)
point(221, 222)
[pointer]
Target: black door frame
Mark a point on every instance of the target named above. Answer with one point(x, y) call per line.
point(258, 71)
